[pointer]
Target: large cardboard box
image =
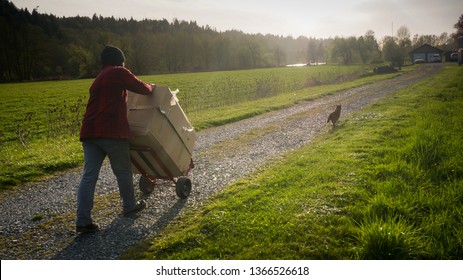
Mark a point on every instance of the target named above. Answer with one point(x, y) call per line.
point(164, 138)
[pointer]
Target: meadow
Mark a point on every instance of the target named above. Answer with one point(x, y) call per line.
point(40, 121)
point(387, 183)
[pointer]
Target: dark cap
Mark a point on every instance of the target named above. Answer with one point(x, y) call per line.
point(112, 56)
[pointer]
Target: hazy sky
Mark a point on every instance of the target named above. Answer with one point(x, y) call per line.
point(321, 18)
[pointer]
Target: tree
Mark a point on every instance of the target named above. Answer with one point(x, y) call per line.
point(140, 56)
point(458, 35)
point(404, 44)
point(221, 52)
point(392, 52)
point(81, 61)
point(344, 49)
point(315, 50)
point(368, 47)
point(279, 56)
point(459, 27)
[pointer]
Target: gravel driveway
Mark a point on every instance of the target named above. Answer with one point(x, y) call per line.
point(37, 220)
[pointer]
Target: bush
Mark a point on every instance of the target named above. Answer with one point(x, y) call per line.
point(384, 70)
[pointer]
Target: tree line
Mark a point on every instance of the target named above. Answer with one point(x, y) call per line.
point(37, 46)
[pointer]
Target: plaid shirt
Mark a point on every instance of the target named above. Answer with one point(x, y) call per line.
point(106, 113)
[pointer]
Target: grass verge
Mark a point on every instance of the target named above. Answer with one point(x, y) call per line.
point(385, 184)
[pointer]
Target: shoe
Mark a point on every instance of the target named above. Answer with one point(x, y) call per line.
point(91, 228)
point(140, 205)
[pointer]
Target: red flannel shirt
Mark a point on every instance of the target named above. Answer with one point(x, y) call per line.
point(106, 113)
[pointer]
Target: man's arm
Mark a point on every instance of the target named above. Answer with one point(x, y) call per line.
point(134, 84)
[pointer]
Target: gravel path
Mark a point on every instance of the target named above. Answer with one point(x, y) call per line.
point(37, 221)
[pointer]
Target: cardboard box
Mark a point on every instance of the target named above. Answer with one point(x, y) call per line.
point(163, 138)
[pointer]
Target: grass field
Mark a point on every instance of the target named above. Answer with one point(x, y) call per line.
point(39, 121)
point(386, 184)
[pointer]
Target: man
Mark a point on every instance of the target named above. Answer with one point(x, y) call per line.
point(105, 132)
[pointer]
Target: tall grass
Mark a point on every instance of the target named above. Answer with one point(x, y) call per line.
point(415, 190)
point(385, 184)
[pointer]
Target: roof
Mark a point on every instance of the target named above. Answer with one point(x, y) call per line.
point(426, 48)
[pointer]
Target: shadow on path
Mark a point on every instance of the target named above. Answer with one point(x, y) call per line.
point(106, 244)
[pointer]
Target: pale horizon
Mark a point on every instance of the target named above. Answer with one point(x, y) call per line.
point(319, 19)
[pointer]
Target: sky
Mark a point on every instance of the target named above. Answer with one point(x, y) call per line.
point(319, 19)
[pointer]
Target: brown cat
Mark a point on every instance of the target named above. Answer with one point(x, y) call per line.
point(334, 117)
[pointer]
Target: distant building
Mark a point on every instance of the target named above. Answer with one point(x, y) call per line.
point(426, 53)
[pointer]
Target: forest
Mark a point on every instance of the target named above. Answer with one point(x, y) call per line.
point(36, 46)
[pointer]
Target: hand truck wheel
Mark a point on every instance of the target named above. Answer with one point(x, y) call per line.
point(183, 187)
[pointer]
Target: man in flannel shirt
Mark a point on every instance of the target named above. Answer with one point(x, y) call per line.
point(105, 132)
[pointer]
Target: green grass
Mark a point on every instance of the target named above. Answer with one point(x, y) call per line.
point(387, 183)
point(40, 121)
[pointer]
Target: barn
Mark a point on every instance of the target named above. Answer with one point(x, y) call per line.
point(426, 53)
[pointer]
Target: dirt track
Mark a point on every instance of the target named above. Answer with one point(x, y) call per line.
point(37, 221)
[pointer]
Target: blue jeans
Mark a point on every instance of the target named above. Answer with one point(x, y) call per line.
point(95, 151)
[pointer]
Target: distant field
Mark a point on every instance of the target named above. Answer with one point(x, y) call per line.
point(39, 121)
point(200, 91)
